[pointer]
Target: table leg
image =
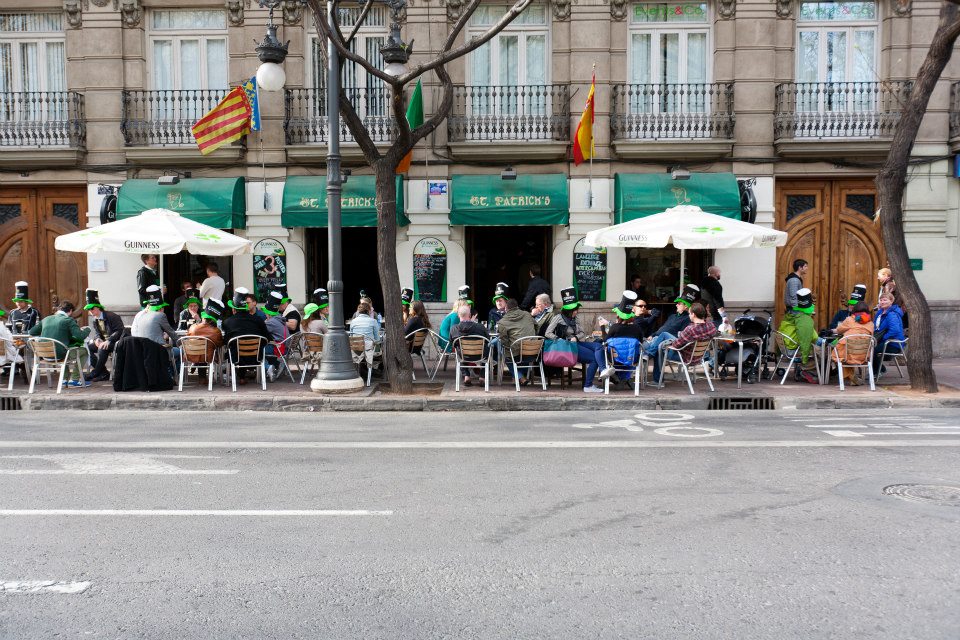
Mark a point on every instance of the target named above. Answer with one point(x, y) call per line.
point(739, 364)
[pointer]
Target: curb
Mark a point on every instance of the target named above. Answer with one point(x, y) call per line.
point(125, 402)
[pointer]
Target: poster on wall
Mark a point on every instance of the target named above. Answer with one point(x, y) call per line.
point(590, 272)
point(430, 271)
point(269, 267)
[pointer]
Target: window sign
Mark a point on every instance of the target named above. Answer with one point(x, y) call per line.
point(669, 12)
point(430, 271)
point(269, 267)
point(837, 11)
point(590, 272)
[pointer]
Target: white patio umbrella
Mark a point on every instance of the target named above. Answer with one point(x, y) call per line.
point(686, 227)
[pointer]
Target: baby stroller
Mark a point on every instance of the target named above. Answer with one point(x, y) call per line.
point(755, 354)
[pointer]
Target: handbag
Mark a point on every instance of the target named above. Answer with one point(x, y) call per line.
point(559, 353)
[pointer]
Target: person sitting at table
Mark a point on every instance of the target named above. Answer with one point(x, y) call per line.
point(623, 327)
point(25, 317)
point(799, 327)
point(542, 313)
point(368, 327)
point(278, 330)
point(889, 326)
point(858, 323)
point(467, 326)
point(675, 324)
point(645, 317)
point(315, 313)
point(9, 353)
point(191, 310)
point(253, 307)
point(364, 298)
point(152, 323)
point(291, 315)
point(453, 318)
point(859, 294)
point(406, 298)
point(62, 327)
point(106, 329)
point(565, 326)
point(500, 296)
point(417, 318)
point(243, 323)
point(515, 324)
point(701, 328)
point(212, 314)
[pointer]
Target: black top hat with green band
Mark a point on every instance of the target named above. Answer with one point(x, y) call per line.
point(155, 298)
point(23, 293)
point(193, 296)
point(213, 310)
point(502, 291)
point(859, 294)
point(321, 298)
point(93, 300)
point(272, 306)
point(239, 302)
point(689, 294)
point(406, 296)
point(284, 296)
point(569, 299)
point(805, 301)
point(463, 293)
point(624, 309)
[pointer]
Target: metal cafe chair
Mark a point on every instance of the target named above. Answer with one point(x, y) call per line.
point(857, 354)
point(789, 350)
point(638, 368)
point(358, 346)
point(473, 352)
point(530, 358)
point(687, 362)
point(311, 352)
point(47, 361)
point(895, 350)
point(247, 346)
point(284, 350)
point(416, 343)
point(198, 352)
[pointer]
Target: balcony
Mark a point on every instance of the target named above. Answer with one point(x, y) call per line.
point(490, 122)
point(156, 126)
point(955, 117)
point(41, 129)
point(672, 120)
point(307, 130)
point(837, 119)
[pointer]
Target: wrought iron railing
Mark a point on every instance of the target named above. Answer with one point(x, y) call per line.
point(42, 119)
point(533, 112)
point(306, 115)
point(839, 109)
point(165, 117)
point(672, 111)
point(955, 110)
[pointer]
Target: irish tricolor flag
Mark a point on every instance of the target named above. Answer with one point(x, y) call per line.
point(414, 119)
point(583, 141)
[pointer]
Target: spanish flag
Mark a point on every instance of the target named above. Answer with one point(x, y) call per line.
point(226, 122)
point(583, 141)
point(414, 119)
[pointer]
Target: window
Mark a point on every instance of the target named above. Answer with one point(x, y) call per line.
point(836, 56)
point(367, 93)
point(188, 50)
point(669, 58)
point(32, 52)
point(516, 57)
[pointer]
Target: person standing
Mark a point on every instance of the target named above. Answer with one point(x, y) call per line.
point(147, 276)
point(64, 329)
point(794, 282)
point(799, 327)
point(106, 329)
point(537, 286)
point(25, 317)
point(213, 286)
point(711, 294)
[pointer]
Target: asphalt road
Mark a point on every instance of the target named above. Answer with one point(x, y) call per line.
point(480, 525)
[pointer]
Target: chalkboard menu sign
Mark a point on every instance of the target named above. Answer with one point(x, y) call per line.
point(430, 270)
point(590, 272)
point(269, 267)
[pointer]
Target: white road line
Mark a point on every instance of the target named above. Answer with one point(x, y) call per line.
point(65, 472)
point(845, 433)
point(520, 444)
point(113, 463)
point(43, 586)
point(193, 512)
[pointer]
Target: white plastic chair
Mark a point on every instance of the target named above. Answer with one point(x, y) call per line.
point(193, 355)
point(246, 346)
point(477, 349)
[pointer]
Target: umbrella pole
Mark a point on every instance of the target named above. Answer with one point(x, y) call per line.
point(160, 271)
point(683, 265)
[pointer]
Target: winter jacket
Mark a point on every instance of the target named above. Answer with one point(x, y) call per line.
point(799, 327)
point(793, 284)
point(515, 324)
point(858, 324)
point(889, 324)
point(206, 330)
point(537, 286)
point(676, 323)
point(542, 321)
point(647, 323)
point(63, 328)
point(146, 277)
point(560, 329)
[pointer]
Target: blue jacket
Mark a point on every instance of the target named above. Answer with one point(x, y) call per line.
point(676, 323)
point(889, 324)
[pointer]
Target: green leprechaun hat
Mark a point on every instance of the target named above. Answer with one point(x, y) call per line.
point(624, 309)
point(93, 300)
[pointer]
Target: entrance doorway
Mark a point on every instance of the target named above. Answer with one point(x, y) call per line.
point(30, 221)
point(831, 226)
point(505, 254)
point(187, 267)
point(360, 271)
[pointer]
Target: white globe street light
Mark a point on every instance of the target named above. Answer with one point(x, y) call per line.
point(272, 53)
point(271, 77)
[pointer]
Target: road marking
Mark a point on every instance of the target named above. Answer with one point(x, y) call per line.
point(43, 586)
point(627, 424)
point(518, 444)
point(686, 432)
point(112, 464)
point(843, 433)
point(664, 419)
point(193, 512)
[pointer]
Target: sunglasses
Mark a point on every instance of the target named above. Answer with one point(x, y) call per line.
point(639, 306)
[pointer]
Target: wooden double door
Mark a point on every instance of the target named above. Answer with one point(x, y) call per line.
point(831, 226)
point(30, 221)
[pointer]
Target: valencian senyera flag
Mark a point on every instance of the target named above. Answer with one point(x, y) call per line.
point(226, 122)
point(253, 97)
point(414, 119)
point(583, 141)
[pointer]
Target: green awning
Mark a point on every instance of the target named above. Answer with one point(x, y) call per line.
point(305, 202)
point(218, 202)
point(485, 200)
point(637, 195)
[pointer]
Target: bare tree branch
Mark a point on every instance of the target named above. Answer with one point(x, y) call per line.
point(360, 20)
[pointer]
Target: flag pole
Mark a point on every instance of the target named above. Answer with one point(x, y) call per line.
point(593, 80)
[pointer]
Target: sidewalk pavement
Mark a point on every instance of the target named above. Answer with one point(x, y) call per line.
point(440, 395)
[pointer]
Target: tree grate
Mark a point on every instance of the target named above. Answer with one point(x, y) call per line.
point(740, 404)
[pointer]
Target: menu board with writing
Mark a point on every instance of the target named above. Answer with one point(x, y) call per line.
point(269, 267)
point(430, 270)
point(590, 272)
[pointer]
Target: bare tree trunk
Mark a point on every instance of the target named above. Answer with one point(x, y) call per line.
point(891, 184)
point(396, 357)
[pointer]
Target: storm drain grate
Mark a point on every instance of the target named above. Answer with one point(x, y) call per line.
point(10, 404)
point(740, 404)
point(937, 494)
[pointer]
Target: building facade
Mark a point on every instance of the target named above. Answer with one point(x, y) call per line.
point(792, 101)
